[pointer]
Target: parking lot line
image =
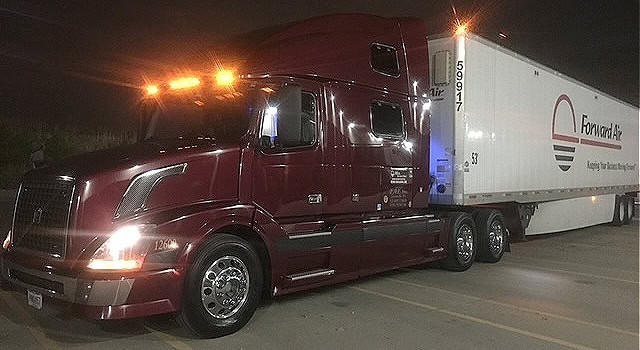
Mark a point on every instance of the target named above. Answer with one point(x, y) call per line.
point(597, 246)
point(169, 339)
point(570, 272)
point(31, 323)
point(554, 261)
point(519, 308)
point(477, 320)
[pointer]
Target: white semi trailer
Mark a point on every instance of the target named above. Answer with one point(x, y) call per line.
point(551, 153)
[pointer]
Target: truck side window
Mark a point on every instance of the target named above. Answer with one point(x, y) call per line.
point(384, 59)
point(290, 121)
point(386, 119)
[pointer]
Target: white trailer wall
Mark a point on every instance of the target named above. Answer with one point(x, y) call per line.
point(505, 128)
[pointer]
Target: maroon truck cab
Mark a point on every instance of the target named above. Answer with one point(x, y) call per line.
point(309, 169)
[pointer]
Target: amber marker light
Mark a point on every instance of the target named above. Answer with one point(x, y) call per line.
point(461, 29)
point(152, 90)
point(184, 83)
point(225, 78)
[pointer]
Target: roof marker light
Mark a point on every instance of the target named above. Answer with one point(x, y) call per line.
point(225, 78)
point(152, 90)
point(461, 29)
point(184, 83)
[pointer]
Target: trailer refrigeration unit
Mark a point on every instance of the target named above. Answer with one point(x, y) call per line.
point(509, 133)
point(314, 163)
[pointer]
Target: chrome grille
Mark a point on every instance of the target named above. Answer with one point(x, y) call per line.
point(42, 216)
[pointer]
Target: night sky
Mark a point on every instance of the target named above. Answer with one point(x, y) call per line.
point(81, 62)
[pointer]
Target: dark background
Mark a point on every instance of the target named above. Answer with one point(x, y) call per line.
point(82, 62)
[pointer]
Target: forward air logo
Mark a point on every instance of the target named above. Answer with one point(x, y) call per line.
point(565, 138)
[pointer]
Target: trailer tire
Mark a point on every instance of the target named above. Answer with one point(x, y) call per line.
point(628, 209)
point(618, 211)
point(492, 235)
point(223, 287)
point(461, 251)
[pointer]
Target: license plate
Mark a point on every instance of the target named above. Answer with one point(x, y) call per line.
point(34, 299)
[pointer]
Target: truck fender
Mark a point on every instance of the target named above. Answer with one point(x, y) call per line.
point(237, 220)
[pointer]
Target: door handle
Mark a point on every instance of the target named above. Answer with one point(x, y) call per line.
point(315, 198)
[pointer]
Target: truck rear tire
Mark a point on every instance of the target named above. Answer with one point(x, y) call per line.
point(461, 251)
point(222, 288)
point(492, 235)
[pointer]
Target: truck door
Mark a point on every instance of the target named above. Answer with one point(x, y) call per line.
point(369, 171)
point(391, 236)
point(286, 180)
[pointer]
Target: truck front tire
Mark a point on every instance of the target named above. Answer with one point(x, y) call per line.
point(492, 235)
point(462, 243)
point(223, 287)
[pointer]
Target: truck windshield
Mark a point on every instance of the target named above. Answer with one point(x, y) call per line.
point(222, 117)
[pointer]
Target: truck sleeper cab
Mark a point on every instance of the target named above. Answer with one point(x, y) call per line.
point(264, 185)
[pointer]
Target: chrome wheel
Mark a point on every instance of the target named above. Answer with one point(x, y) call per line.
point(496, 237)
point(461, 248)
point(464, 243)
point(492, 235)
point(225, 287)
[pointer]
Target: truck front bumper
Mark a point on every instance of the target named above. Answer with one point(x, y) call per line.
point(101, 298)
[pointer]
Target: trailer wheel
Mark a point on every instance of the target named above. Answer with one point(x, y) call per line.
point(462, 243)
point(631, 208)
point(492, 235)
point(618, 211)
point(222, 288)
point(628, 209)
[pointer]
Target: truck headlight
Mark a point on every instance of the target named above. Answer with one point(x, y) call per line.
point(124, 250)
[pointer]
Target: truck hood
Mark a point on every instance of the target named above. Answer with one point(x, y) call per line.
point(209, 174)
point(88, 164)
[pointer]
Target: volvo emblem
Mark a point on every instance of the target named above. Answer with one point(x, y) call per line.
point(37, 216)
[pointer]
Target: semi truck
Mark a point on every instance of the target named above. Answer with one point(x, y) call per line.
point(342, 147)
